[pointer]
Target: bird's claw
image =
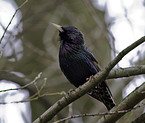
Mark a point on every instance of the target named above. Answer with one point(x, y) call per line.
point(69, 92)
point(89, 78)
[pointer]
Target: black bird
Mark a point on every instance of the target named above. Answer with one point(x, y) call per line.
point(78, 63)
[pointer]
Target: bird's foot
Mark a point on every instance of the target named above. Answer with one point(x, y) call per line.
point(89, 78)
point(69, 92)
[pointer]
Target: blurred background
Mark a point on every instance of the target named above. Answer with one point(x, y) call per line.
point(29, 54)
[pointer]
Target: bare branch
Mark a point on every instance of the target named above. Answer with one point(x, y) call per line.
point(140, 119)
point(63, 102)
point(7, 75)
point(126, 72)
point(34, 81)
point(98, 114)
point(128, 103)
point(12, 19)
point(34, 97)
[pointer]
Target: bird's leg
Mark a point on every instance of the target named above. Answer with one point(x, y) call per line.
point(89, 78)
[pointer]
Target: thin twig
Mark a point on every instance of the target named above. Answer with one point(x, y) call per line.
point(35, 97)
point(98, 114)
point(12, 19)
point(36, 78)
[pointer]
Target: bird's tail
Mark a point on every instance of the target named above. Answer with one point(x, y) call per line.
point(103, 94)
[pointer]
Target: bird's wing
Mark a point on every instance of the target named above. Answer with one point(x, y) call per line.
point(92, 59)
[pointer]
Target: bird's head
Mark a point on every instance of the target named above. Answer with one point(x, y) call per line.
point(69, 35)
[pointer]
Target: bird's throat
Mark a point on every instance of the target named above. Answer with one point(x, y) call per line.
point(68, 49)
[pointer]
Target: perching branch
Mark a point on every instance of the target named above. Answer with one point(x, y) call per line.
point(128, 103)
point(63, 102)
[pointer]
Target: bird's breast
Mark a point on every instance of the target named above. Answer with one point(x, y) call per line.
point(76, 67)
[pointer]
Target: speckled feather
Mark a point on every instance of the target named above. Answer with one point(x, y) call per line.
point(78, 63)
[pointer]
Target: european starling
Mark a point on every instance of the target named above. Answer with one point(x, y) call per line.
point(78, 63)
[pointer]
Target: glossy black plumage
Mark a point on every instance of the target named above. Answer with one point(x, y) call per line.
point(78, 63)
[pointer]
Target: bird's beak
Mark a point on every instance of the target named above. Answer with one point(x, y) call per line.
point(57, 27)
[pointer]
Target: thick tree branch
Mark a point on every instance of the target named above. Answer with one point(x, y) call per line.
point(126, 72)
point(63, 102)
point(128, 103)
point(140, 119)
